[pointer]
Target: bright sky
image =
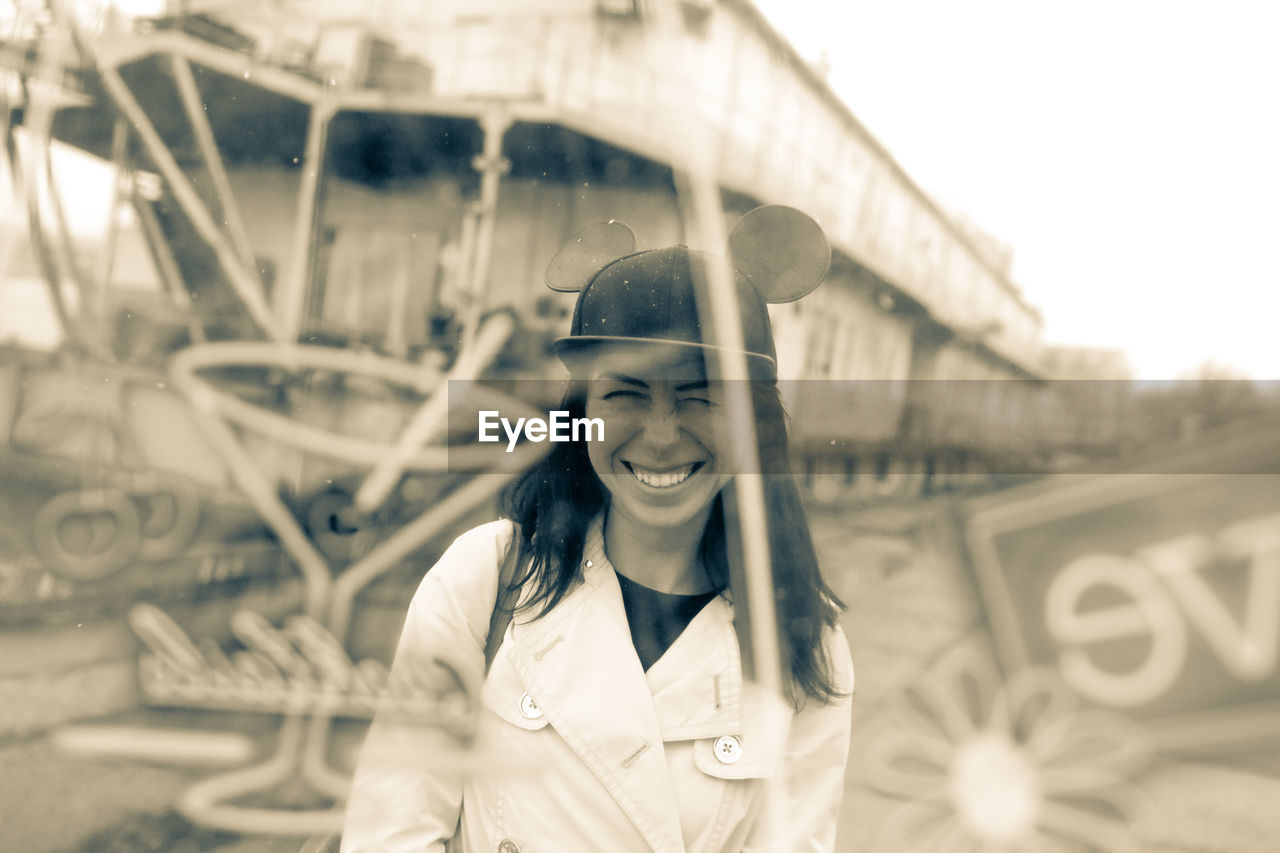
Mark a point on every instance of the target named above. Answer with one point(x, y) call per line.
point(1129, 151)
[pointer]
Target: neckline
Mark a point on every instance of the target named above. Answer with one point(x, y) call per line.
point(625, 581)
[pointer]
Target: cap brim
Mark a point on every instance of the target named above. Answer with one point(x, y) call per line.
point(572, 350)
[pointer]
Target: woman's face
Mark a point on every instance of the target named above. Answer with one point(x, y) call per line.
point(658, 457)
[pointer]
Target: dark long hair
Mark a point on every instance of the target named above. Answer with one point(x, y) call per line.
point(555, 501)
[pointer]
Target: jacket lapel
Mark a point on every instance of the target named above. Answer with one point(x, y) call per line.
point(696, 686)
point(579, 665)
point(699, 694)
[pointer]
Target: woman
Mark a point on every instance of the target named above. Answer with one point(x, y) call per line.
point(618, 685)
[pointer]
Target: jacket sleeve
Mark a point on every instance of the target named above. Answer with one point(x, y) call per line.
point(814, 768)
point(402, 797)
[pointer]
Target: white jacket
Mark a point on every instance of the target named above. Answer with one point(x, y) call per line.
point(609, 757)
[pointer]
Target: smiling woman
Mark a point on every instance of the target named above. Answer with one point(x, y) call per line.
point(619, 678)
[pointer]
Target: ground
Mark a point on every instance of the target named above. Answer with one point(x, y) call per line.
point(910, 600)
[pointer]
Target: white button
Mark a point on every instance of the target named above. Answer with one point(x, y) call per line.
point(508, 846)
point(529, 708)
point(589, 564)
point(728, 749)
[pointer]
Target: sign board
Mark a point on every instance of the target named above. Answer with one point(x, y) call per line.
point(1153, 592)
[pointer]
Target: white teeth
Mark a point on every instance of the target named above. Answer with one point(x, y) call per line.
point(662, 480)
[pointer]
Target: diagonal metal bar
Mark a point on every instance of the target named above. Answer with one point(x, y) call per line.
point(49, 269)
point(242, 281)
point(66, 255)
point(166, 265)
point(161, 252)
point(401, 544)
point(212, 157)
point(430, 417)
point(122, 50)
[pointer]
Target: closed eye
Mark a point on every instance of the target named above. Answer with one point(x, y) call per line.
point(623, 394)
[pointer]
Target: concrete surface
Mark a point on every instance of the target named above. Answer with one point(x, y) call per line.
point(910, 599)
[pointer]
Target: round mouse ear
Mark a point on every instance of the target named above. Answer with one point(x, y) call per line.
point(782, 250)
point(591, 250)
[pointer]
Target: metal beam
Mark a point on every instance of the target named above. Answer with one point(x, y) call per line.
point(213, 161)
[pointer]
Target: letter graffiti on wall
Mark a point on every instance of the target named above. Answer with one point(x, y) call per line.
point(1155, 594)
point(1167, 598)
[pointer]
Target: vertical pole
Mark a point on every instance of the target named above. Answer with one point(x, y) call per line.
point(697, 178)
point(396, 340)
point(291, 298)
point(492, 166)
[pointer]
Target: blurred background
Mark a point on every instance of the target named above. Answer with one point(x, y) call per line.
point(245, 247)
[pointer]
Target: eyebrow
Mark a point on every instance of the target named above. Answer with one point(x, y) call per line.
point(626, 380)
point(696, 385)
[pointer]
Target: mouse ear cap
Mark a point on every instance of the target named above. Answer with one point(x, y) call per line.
point(782, 250)
point(589, 251)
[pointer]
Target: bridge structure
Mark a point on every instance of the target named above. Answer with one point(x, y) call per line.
point(446, 153)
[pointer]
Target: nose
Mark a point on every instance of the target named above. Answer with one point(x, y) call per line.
point(661, 428)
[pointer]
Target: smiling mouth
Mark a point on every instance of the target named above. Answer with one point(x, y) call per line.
point(662, 479)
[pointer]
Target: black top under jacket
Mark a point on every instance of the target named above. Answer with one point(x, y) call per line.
point(657, 618)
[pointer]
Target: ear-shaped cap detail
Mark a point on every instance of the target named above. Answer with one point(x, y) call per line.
point(591, 250)
point(782, 250)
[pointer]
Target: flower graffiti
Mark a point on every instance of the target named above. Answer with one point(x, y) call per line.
point(983, 762)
